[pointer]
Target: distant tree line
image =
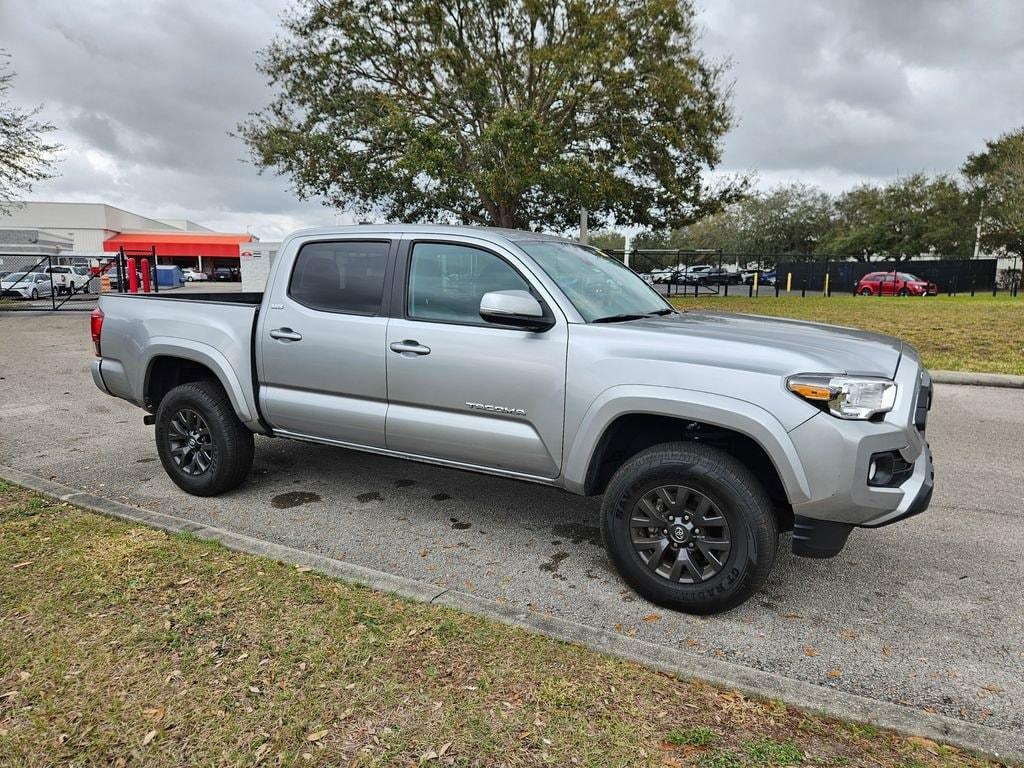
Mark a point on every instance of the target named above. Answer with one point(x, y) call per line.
point(902, 219)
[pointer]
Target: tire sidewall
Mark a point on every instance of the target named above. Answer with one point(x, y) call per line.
point(197, 400)
point(749, 560)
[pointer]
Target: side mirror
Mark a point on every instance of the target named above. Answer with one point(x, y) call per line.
point(515, 308)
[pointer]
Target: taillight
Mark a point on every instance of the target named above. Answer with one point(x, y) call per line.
point(96, 326)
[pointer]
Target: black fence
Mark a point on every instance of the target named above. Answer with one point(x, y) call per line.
point(50, 283)
point(689, 272)
point(949, 276)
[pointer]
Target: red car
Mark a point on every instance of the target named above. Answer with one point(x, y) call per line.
point(895, 284)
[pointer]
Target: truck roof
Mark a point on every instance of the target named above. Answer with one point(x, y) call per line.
point(494, 234)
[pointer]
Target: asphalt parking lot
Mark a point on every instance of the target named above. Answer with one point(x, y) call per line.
point(927, 613)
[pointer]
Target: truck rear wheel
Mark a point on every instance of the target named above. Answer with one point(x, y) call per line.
point(689, 527)
point(203, 446)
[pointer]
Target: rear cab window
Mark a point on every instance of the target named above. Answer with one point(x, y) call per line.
point(344, 276)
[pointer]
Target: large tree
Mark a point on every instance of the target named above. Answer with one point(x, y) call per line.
point(25, 155)
point(997, 177)
point(507, 112)
point(907, 217)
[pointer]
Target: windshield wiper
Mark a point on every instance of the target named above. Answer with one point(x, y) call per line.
point(618, 318)
point(665, 311)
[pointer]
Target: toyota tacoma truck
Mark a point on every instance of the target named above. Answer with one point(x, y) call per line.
point(540, 359)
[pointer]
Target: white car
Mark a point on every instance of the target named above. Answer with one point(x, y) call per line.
point(68, 279)
point(25, 285)
point(194, 275)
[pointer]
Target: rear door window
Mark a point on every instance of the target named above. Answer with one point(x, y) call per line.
point(343, 276)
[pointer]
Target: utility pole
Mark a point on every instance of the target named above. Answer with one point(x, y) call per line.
point(626, 246)
point(977, 232)
point(584, 234)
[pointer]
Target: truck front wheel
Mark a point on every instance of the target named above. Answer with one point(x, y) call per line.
point(689, 527)
point(203, 446)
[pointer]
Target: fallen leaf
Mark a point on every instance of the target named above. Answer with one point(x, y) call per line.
point(849, 634)
point(810, 650)
point(792, 616)
point(303, 569)
point(835, 672)
point(652, 617)
point(993, 688)
point(148, 738)
point(262, 751)
point(886, 651)
point(26, 564)
point(925, 744)
point(253, 689)
point(316, 736)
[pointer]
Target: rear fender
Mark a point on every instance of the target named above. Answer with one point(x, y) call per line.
point(239, 393)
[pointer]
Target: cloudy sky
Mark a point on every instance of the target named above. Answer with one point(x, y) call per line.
point(145, 92)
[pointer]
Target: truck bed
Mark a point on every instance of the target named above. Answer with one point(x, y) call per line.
point(212, 329)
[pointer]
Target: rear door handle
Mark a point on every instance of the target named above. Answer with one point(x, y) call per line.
point(285, 334)
point(409, 347)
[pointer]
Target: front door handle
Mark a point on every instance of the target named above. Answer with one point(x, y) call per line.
point(409, 347)
point(285, 334)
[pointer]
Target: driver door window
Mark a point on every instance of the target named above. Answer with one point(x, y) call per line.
point(447, 281)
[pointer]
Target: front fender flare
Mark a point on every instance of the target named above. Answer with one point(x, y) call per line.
point(692, 405)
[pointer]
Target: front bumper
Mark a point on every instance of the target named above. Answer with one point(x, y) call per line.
point(836, 456)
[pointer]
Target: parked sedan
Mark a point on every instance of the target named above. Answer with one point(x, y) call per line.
point(193, 275)
point(26, 285)
point(895, 284)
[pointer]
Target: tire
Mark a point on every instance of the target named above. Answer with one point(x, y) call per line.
point(229, 455)
point(188, 279)
point(904, 292)
point(866, 292)
point(35, 295)
point(736, 499)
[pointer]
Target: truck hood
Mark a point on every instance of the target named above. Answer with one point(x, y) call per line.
point(767, 344)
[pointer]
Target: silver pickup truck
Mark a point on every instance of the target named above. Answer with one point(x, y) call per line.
point(536, 358)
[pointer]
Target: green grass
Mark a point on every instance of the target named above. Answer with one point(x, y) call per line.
point(954, 333)
point(124, 645)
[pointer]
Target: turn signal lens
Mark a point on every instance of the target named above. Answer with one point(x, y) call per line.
point(845, 397)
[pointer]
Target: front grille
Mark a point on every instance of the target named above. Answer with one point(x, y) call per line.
point(12, 293)
point(925, 393)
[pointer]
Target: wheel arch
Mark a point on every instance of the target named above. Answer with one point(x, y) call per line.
point(167, 367)
point(620, 424)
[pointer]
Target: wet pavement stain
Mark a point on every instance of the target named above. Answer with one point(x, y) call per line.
point(294, 499)
point(578, 534)
point(551, 566)
point(440, 497)
point(369, 496)
point(279, 461)
point(458, 524)
point(404, 483)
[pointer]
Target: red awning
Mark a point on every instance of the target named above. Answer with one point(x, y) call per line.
point(179, 243)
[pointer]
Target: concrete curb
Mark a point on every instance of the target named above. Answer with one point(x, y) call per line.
point(978, 379)
point(980, 739)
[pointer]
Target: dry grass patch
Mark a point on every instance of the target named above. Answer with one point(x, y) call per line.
point(122, 645)
point(953, 333)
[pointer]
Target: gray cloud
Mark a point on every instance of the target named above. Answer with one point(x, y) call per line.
point(145, 95)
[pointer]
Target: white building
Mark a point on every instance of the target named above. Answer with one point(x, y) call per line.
point(97, 228)
point(256, 260)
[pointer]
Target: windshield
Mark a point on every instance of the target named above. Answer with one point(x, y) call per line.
point(599, 287)
point(15, 277)
point(911, 278)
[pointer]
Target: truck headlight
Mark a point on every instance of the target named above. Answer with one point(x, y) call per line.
point(845, 397)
